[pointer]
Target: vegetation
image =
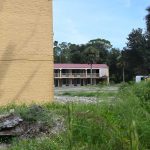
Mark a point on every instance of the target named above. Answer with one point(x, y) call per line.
point(90, 94)
point(122, 124)
point(125, 64)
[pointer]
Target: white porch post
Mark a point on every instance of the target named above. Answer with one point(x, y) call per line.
point(60, 73)
point(86, 73)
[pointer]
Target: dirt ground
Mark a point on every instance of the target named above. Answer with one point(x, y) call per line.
point(59, 97)
point(61, 90)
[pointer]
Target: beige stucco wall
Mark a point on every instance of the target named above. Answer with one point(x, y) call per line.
point(26, 51)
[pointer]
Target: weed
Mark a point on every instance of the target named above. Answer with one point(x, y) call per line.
point(121, 125)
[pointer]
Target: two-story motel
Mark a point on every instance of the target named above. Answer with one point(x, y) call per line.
point(80, 74)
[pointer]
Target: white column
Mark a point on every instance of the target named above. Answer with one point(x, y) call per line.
point(86, 73)
point(60, 73)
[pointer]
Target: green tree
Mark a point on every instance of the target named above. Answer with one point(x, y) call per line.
point(65, 52)
point(76, 54)
point(122, 64)
point(147, 51)
point(134, 53)
point(102, 47)
point(61, 52)
point(148, 19)
point(114, 69)
point(57, 52)
point(90, 54)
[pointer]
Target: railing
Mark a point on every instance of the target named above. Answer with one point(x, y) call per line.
point(94, 75)
point(76, 75)
point(56, 75)
point(73, 75)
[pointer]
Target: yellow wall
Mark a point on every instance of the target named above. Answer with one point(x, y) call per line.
point(26, 51)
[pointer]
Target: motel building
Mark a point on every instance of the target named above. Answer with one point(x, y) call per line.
point(80, 74)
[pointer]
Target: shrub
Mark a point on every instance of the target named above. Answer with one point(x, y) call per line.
point(142, 91)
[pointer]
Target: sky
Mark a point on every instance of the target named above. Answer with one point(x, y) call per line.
point(78, 21)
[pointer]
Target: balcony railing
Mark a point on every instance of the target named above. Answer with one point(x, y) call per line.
point(56, 75)
point(76, 75)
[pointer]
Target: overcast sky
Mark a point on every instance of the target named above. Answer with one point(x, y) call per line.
point(78, 21)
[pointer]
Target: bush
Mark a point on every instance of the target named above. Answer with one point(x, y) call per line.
point(123, 85)
point(142, 91)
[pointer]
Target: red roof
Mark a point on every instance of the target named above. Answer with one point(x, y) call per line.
point(79, 66)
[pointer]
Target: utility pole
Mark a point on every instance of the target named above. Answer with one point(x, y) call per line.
point(123, 76)
point(123, 67)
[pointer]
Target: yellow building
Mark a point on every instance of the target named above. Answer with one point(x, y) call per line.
point(26, 51)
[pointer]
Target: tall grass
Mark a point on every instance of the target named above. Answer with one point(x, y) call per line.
point(123, 124)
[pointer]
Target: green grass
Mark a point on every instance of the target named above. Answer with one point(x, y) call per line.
point(38, 144)
point(121, 125)
point(90, 94)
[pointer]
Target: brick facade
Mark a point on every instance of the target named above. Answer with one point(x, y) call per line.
point(26, 51)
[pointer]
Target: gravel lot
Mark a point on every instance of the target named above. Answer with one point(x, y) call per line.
point(75, 99)
point(64, 99)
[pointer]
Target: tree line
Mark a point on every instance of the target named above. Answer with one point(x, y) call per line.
point(125, 64)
